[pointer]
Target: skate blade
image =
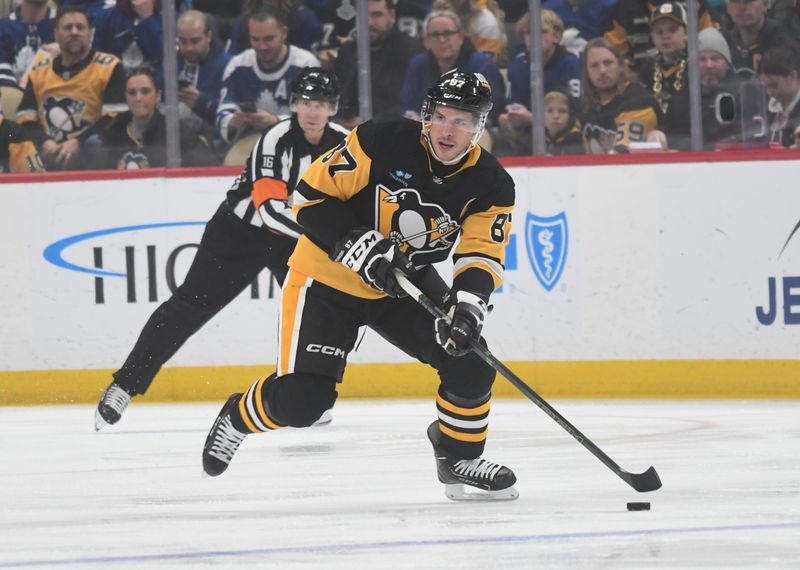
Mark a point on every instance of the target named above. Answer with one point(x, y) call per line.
point(99, 422)
point(461, 492)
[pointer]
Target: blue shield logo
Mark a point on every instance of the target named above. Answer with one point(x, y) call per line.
point(546, 242)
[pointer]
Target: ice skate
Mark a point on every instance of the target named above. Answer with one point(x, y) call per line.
point(471, 479)
point(222, 442)
point(112, 403)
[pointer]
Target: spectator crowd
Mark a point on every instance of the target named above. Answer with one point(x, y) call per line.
point(81, 81)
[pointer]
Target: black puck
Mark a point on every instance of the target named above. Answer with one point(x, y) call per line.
point(638, 506)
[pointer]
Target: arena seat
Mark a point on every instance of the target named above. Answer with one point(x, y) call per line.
point(241, 149)
point(10, 97)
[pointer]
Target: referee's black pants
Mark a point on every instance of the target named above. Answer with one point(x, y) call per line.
point(231, 255)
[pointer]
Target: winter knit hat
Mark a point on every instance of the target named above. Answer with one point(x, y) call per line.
point(710, 39)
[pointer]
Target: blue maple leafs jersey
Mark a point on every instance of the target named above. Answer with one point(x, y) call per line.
point(19, 43)
point(245, 81)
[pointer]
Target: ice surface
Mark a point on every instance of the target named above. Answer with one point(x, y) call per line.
point(362, 492)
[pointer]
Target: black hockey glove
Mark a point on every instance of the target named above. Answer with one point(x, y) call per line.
point(466, 316)
point(374, 258)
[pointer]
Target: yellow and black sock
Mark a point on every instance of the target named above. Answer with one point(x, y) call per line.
point(464, 421)
point(254, 410)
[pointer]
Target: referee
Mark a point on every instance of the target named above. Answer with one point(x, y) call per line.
point(252, 229)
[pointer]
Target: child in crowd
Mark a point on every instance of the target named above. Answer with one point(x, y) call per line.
point(667, 74)
point(562, 129)
point(562, 71)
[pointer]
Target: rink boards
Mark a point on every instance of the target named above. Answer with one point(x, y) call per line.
point(632, 280)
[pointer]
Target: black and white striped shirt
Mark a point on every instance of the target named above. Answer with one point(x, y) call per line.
point(261, 194)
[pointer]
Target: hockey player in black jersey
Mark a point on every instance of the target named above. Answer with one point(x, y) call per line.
point(393, 197)
point(252, 229)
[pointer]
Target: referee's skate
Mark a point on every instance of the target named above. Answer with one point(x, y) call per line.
point(111, 406)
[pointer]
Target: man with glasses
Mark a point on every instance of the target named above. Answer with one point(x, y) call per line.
point(394, 196)
point(448, 49)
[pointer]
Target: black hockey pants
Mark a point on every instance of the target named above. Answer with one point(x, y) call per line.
point(319, 329)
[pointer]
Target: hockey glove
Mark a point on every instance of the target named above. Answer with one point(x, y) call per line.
point(374, 258)
point(466, 316)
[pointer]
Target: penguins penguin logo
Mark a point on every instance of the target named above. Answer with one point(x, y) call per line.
point(64, 117)
point(601, 141)
point(133, 161)
point(415, 225)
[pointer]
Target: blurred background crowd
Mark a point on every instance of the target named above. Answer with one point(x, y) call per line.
point(82, 81)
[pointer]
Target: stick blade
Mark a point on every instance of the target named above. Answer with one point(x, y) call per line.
point(643, 482)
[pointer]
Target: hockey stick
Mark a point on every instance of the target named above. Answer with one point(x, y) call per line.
point(642, 482)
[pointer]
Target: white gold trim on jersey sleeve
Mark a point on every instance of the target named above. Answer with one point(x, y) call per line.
point(464, 262)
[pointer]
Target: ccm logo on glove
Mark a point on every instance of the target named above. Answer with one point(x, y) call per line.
point(355, 253)
point(374, 258)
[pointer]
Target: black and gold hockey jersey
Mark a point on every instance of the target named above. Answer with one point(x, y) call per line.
point(626, 118)
point(382, 177)
point(272, 170)
point(66, 101)
point(17, 153)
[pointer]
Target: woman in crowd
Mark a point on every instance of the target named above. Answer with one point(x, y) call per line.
point(483, 21)
point(447, 48)
point(137, 138)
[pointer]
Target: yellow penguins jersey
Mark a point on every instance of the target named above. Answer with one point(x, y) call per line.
point(617, 122)
point(68, 100)
point(381, 177)
point(17, 154)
